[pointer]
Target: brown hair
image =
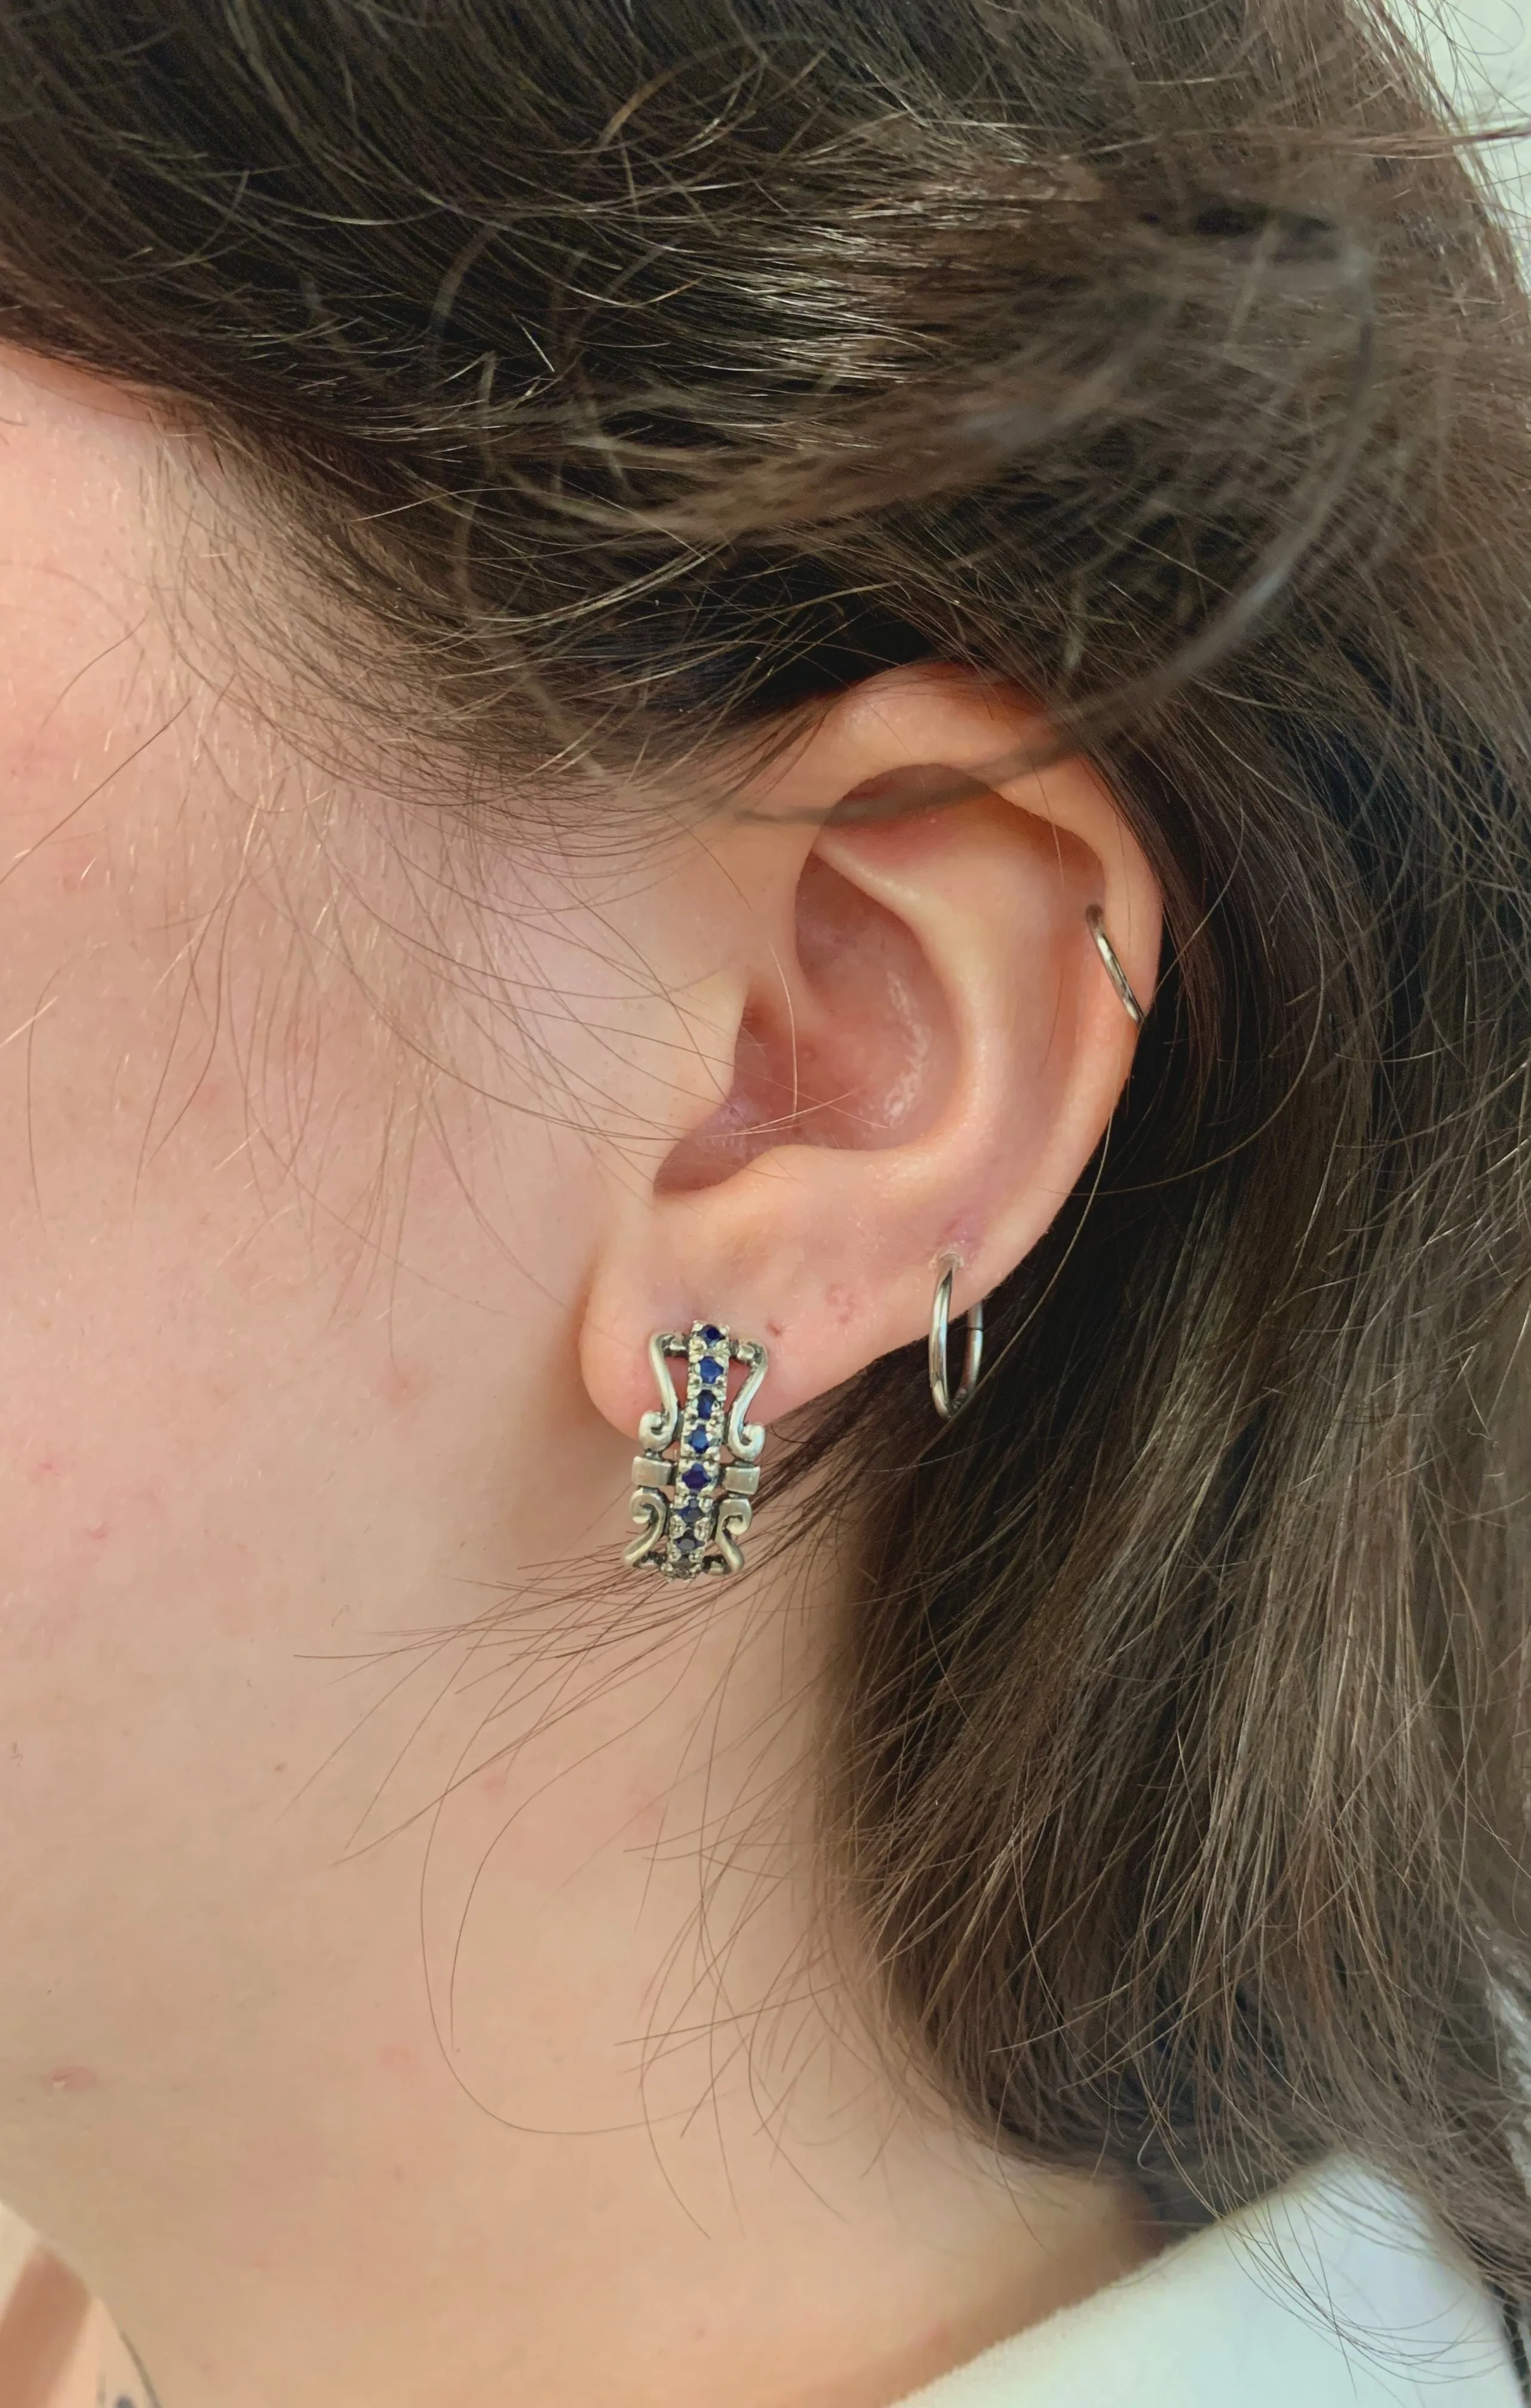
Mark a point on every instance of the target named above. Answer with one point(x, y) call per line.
point(635, 376)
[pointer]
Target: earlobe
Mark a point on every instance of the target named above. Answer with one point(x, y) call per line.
point(930, 1045)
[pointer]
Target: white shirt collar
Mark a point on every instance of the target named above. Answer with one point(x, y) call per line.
point(1333, 2293)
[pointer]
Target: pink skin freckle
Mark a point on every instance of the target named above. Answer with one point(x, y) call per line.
point(397, 2057)
point(646, 1821)
point(399, 1386)
point(492, 1783)
point(97, 1530)
point(962, 1238)
point(74, 2078)
point(48, 1466)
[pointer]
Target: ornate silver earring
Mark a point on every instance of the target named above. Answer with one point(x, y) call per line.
point(1095, 922)
point(700, 1465)
point(946, 1404)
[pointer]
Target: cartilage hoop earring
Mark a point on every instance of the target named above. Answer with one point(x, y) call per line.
point(1095, 922)
point(947, 1405)
point(694, 1483)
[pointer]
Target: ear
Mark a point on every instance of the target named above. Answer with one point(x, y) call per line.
point(925, 1046)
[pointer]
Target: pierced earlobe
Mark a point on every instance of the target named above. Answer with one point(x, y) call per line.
point(691, 1506)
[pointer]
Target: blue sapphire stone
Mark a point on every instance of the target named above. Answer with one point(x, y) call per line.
point(710, 1370)
point(704, 1407)
point(686, 1546)
point(695, 1477)
point(711, 1336)
point(700, 1441)
point(690, 1514)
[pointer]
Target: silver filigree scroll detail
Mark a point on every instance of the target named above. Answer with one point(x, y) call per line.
point(747, 1439)
point(652, 1478)
point(734, 1516)
point(657, 1428)
point(649, 1512)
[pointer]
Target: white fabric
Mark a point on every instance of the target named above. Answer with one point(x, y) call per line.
point(1331, 2294)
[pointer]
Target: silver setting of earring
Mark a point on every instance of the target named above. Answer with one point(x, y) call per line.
point(700, 1466)
point(947, 1404)
point(1095, 922)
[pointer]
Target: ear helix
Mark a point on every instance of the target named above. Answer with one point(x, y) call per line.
point(948, 1400)
point(696, 1479)
point(1095, 922)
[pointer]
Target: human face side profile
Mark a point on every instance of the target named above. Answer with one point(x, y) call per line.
point(413, 1979)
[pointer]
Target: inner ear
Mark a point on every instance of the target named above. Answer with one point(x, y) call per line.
point(850, 1043)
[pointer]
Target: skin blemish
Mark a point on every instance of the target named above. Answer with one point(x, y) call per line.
point(48, 1466)
point(397, 2057)
point(75, 882)
point(73, 2079)
point(646, 1822)
point(399, 1385)
point(839, 1303)
point(97, 1530)
point(960, 1239)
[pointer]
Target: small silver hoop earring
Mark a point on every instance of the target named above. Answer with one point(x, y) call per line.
point(1095, 922)
point(693, 1483)
point(947, 1405)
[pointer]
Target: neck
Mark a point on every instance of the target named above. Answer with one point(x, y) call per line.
point(553, 2101)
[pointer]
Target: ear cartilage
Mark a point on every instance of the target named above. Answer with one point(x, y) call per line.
point(700, 1466)
point(1095, 922)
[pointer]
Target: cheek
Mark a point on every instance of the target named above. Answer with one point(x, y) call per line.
point(261, 1426)
point(291, 1253)
point(284, 1328)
